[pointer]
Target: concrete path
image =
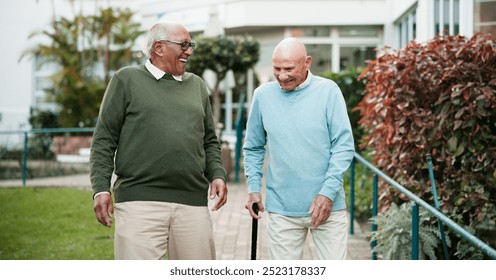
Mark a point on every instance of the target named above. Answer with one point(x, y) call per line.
point(232, 224)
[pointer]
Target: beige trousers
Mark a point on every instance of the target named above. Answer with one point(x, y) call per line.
point(287, 236)
point(147, 230)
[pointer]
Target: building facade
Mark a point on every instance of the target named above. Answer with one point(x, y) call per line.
point(338, 34)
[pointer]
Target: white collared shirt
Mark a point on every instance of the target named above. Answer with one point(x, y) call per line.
point(157, 73)
point(302, 85)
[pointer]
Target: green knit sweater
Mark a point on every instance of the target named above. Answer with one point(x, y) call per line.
point(162, 135)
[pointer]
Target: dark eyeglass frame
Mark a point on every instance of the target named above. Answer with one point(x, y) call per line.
point(184, 45)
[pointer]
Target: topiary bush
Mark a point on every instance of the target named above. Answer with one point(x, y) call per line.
point(438, 98)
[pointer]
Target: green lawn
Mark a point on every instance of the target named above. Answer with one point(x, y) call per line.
point(51, 224)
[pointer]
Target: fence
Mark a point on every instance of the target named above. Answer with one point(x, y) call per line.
point(65, 132)
point(443, 219)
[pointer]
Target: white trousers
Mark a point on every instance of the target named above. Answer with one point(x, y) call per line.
point(287, 236)
point(147, 230)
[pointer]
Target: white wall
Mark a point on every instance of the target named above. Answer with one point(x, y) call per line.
point(17, 19)
point(194, 14)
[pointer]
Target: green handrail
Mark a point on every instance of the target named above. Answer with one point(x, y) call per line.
point(25, 159)
point(375, 211)
point(488, 250)
point(352, 197)
point(415, 232)
point(436, 203)
point(239, 137)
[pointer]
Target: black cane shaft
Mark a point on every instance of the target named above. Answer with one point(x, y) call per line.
point(254, 233)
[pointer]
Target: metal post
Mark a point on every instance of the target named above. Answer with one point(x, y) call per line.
point(239, 136)
point(436, 203)
point(25, 159)
point(352, 196)
point(415, 232)
point(375, 202)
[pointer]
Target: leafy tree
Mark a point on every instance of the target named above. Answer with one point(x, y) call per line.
point(88, 50)
point(221, 54)
point(44, 119)
point(438, 98)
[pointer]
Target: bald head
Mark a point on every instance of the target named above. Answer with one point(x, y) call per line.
point(290, 63)
point(290, 48)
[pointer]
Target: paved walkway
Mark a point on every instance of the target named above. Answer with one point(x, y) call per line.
point(232, 224)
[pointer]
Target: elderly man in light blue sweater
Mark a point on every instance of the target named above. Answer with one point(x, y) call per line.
point(301, 121)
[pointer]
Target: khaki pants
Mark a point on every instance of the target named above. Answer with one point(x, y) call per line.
point(287, 236)
point(147, 230)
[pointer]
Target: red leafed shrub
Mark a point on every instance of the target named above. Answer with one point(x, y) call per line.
point(437, 97)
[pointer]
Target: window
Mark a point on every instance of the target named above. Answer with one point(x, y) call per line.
point(352, 57)
point(321, 57)
point(358, 31)
point(320, 31)
point(446, 17)
point(485, 16)
point(407, 28)
point(43, 83)
point(312, 31)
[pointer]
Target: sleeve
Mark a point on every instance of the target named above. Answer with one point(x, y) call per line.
point(214, 166)
point(254, 147)
point(106, 135)
point(342, 144)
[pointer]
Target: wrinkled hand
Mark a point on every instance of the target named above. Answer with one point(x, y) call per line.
point(218, 188)
point(104, 209)
point(252, 199)
point(320, 209)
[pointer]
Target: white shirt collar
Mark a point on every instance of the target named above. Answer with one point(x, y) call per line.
point(304, 84)
point(157, 73)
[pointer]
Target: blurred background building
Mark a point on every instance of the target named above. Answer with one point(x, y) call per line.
point(338, 33)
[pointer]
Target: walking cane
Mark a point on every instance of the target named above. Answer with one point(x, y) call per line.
point(254, 233)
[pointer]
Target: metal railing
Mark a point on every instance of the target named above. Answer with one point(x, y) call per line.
point(26, 134)
point(443, 219)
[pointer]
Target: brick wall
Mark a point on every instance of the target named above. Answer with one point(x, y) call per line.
point(70, 145)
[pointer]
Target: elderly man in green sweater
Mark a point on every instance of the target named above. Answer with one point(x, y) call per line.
point(156, 132)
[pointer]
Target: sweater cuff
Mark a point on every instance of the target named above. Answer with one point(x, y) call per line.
point(218, 175)
point(254, 186)
point(99, 193)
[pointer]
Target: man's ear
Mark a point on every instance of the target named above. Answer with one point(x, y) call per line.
point(158, 49)
point(308, 62)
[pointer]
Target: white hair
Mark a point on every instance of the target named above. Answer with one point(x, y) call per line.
point(159, 31)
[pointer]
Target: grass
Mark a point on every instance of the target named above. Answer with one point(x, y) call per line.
point(51, 224)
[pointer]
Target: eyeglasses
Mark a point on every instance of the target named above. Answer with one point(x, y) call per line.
point(184, 45)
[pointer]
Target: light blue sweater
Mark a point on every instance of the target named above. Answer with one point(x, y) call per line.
point(309, 144)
